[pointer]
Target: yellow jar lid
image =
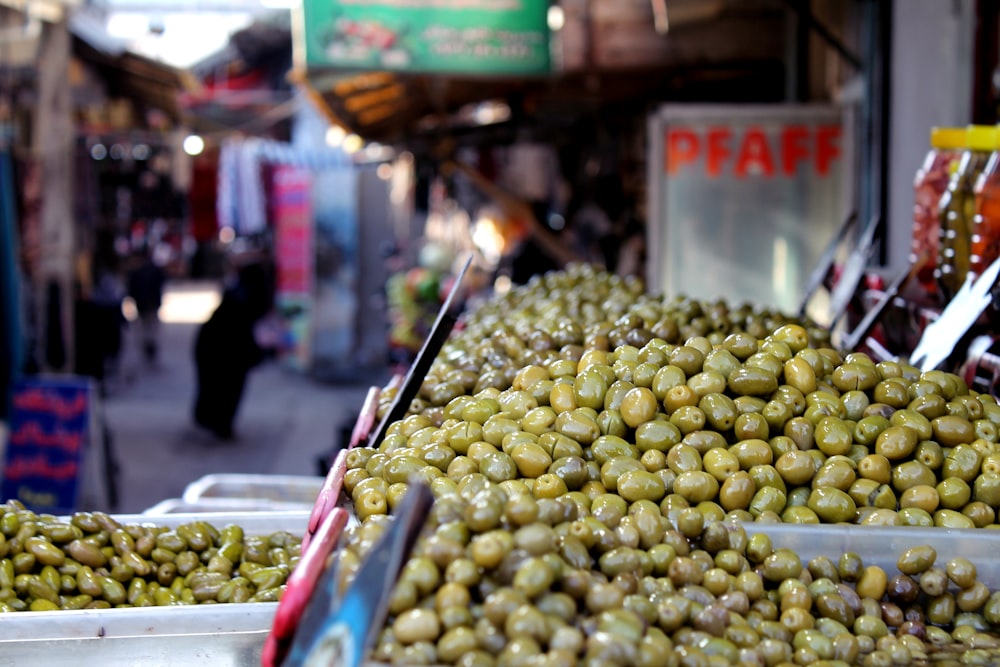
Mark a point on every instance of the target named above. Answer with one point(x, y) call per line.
point(952, 138)
point(981, 137)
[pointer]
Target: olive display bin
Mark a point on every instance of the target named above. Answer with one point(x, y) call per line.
point(234, 492)
point(222, 635)
point(290, 489)
point(221, 505)
point(882, 546)
point(232, 635)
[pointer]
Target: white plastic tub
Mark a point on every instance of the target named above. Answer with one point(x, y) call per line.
point(882, 546)
point(221, 505)
point(222, 635)
point(296, 489)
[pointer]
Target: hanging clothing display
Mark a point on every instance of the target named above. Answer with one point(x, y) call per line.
point(241, 203)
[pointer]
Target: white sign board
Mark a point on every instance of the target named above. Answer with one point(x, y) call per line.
point(743, 199)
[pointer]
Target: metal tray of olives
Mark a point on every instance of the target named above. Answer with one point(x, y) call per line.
point(227, 635)
point(301, 489)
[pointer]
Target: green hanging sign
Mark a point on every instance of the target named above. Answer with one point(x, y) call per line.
point(502, 37)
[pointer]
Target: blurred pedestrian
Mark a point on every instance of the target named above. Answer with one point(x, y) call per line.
point(226, 349)
point(99, 322)
point(145, 287)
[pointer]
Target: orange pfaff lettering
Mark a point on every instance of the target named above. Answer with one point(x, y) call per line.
point(754, 156)
point(682, 148)
point(718, 150)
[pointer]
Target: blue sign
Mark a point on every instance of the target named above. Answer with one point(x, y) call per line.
point(48, 442)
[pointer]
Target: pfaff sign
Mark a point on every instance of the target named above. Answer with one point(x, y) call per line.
point(756, 151)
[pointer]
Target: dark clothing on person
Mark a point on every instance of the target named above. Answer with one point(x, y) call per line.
point(145, 286)
point(98, 329)
point(530, 259)
point(97, 339)
point(226, 350)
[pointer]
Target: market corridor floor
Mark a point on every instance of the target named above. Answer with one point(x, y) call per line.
point(285, 421)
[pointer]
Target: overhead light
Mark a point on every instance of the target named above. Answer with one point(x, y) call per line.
point(353, 143)
point(193, 144)
point(556, 18)
point(280, 4)
point(488, 113)
point(335, 136)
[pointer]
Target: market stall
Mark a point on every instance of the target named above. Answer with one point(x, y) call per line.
point(674, 468)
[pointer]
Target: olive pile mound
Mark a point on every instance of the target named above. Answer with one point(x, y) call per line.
point(92, 561)
point(770, 429)
point(552, 319)
point(594, 453)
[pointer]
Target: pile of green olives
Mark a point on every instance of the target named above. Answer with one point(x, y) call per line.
point(92, 561)
point(769, 429)
point(594, 453)
point(561, 313)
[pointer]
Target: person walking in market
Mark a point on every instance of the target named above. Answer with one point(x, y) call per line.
point(145, 287)
point(227, 349)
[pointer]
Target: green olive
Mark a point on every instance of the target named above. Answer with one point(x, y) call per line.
point(696, 486)
point(751, 381)
point(737, 491)
point(914, 420)
point(751, 426)
point(920, 496)
point(800, 430)
point(799, 374)
point(896, 442)
point(660, 435)
point(636, 485)
point(688, 358)
point(667, 378)
point(951, 430)
point(931, 406)
point(867, 429)
point(954, 493)
point(720, 411)
point(850, 376)
point(639, 405)
point(767, 499)
point(986, 489)
point(912, 473)
point(836, 473)
point(963, 461)
point(720, 463)
point(832, 505)
point(875, 467)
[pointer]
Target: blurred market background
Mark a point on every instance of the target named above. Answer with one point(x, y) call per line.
point(714, 148)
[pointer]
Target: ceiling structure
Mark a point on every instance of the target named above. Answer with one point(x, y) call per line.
point(613, 55)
